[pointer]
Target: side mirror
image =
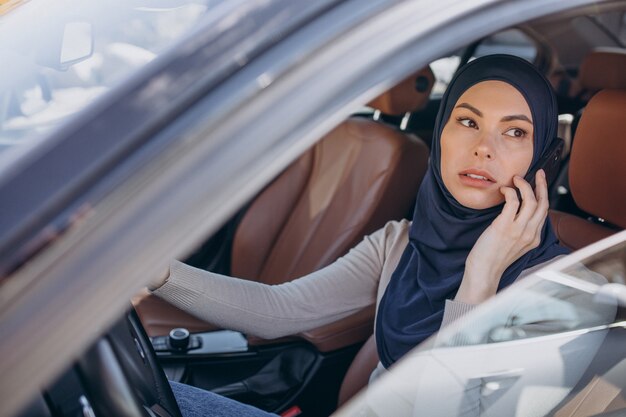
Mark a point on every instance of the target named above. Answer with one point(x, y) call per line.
point(65, 45)
point(77, 44)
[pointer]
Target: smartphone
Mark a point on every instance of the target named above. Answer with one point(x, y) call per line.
point(550, 162)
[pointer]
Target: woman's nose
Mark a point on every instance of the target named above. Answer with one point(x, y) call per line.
point(484, 148)
point(485, 154)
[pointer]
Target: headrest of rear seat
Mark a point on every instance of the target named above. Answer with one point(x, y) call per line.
point(408, 96)
point(597, 170)
point(603, 68)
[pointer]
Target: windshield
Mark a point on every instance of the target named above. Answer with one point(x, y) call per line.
point(58, 56)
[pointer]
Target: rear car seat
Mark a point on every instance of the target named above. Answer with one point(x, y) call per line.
point(356, 178)
point(602, 68)
point(597, 172)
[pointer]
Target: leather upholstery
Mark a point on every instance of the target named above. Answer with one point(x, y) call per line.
point(603, 68)
point(260, 228)
point(159, 317)
point(346, 332)
point(363, 174)
point(575, 232)
point(596, 172)
point(597, 163)
point(409, 95)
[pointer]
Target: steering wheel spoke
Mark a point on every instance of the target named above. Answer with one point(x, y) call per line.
point(123, 376)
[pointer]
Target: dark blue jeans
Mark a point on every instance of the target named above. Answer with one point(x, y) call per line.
point(196, 402)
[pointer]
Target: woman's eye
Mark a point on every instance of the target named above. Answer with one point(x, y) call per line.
point(467, 122)
point(515, 132)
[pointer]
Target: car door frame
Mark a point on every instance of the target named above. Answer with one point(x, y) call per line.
point(121, 219)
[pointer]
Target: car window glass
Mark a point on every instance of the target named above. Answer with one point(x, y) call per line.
point(80, 50)
point(608, 29)
point(610, 264)
point(444, 69)
point(511, 41)
point(546, 307)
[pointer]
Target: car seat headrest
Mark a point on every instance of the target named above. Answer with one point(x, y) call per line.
point(603, 68)
point(409, 95)
point(598, 159)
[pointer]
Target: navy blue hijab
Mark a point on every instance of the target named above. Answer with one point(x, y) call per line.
point(443, 231)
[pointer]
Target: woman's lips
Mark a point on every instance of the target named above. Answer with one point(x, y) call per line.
point(476, 178)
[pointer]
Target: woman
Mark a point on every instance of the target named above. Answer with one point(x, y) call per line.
point(470, 235)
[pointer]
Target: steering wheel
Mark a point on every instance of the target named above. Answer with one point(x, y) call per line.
point(123, 377)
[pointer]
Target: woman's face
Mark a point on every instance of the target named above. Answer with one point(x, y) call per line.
point(487, 140)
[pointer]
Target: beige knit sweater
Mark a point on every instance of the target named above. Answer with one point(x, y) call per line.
point(353, 282)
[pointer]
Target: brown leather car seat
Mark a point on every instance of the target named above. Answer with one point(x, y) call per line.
point(360, 175)
point(602, 68)
point(597, 170)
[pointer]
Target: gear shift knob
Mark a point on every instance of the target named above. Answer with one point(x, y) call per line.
point(179, 338)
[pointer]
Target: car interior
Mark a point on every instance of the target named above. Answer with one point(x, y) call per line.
point(361, 174)
point(357, 177)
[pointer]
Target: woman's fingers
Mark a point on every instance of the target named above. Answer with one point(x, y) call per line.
point(516, 230)
point(541, 192)
point(511, 204)
point(538, 218)
point(529, 202)
point(528, 221)
point(541, 187)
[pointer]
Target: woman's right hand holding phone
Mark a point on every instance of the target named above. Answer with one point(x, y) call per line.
point(512, 234)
